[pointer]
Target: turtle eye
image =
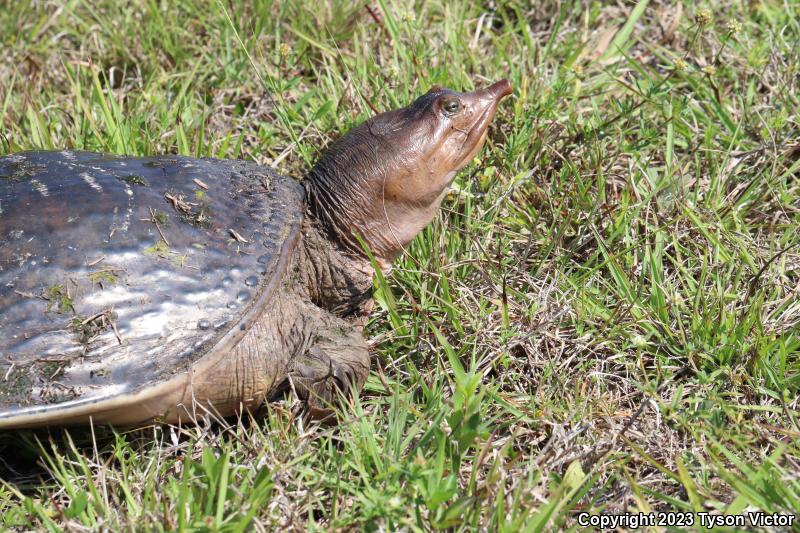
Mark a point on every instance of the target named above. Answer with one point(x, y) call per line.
point(451, 106)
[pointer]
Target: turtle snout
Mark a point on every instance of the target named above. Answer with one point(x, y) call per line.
point(500, 89)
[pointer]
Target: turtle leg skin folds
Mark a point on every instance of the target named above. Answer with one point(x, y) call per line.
point(337, 360)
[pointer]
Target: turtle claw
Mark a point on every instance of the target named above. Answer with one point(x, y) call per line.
point(320, 379)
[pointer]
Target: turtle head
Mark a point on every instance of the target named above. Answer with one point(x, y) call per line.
point(384, 179)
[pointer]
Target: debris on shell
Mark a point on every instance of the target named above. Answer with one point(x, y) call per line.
point(238, 237)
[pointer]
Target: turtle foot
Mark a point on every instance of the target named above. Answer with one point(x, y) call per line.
point(328, 370)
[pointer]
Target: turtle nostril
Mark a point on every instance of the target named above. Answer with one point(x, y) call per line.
point(501, 89)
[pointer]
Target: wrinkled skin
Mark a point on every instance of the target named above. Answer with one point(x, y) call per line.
point(383, 182)
point(379, 184)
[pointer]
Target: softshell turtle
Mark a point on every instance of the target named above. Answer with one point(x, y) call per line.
point(161, 288)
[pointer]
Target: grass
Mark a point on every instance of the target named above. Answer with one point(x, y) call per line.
point(604, 317)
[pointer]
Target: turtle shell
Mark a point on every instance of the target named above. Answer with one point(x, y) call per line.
point(116, 272)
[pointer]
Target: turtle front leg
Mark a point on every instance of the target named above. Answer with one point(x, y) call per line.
point(337, 359)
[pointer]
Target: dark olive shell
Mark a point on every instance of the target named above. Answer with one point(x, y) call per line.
point(118, 272)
